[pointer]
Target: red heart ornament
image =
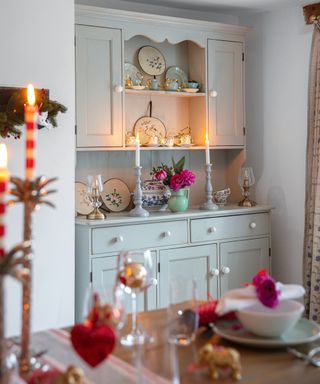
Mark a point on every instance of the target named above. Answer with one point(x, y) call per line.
point(93, 344)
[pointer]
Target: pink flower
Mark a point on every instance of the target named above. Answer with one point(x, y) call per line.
point(160, 175)
point(266, 291)
point(188, 177)
point(176, 182)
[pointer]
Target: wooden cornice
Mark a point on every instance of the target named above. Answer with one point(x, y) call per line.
point(311, 12)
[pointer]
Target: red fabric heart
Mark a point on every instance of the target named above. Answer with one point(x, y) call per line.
point(93, 344)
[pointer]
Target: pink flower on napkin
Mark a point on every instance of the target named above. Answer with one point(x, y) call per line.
point(161, 175)
point(266, 289)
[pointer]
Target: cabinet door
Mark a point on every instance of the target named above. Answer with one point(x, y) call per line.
point(188, 263)
point(225, 77)
point(243, 259)
point(98, 72)
point(104, 272)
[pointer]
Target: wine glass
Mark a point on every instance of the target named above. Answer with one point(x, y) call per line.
point(183, 317)
point(135, 276)
point(107, 301)
point(246, 180)
point(94, 189)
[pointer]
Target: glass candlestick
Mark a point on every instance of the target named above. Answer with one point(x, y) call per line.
point(246, 180)
point(94, 189)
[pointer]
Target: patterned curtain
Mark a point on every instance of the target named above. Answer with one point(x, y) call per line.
point(312, 207)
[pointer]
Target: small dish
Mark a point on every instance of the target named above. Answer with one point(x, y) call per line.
point(190, 90)
point(138, 87)
point(185, 145)
point(305, 331)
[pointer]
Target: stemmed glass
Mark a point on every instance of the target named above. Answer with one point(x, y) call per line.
point(246, 180)
point(94, 189)
point(135, 276)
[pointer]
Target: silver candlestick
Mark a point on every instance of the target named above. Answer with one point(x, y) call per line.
point(137, 198)
point(209, 205)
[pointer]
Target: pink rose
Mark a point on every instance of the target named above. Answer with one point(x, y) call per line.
point(266, 291)
point(176, 182)
point(188, 177)
point(160, 175)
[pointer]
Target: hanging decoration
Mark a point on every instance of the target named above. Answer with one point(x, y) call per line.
point(12, 102)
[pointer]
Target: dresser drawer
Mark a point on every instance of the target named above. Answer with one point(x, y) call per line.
point(229, 227)
point(139, 236)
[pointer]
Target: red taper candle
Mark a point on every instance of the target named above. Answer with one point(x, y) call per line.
point(4, 177)
point(30, 117)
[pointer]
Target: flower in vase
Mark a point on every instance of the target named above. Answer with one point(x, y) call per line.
point(160, 175)
point(188, 177)
point(176, 182)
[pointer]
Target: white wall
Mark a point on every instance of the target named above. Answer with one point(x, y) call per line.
point(277, 65)
point(36, 40)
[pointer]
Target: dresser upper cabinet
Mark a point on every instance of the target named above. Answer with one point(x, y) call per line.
point(225, 86)
point(99, 87)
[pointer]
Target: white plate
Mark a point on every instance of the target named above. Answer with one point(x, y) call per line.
point(151, 60)
point(83, 206)
point(116, 195)
point(131, 72)
point(186, 145)
point(176, 73)
point(190, 90)
point(305, 331)
point(149, 127)
point(138, 87)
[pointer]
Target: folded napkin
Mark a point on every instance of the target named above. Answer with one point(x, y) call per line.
point(237, 299)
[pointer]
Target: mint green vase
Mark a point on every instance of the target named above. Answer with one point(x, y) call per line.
point(179, 201)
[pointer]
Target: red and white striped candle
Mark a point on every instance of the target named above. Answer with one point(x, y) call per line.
point(30, 118)
point(4, 177)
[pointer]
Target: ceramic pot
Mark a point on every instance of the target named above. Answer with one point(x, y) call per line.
point(154, 194)
point(179, 201)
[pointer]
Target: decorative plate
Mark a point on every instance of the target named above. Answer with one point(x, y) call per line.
point(131, 72)
point(83, 206)
point(116, 195)
point(151, 60)
point(176, 73)
point(305, 331)
point(149, 127)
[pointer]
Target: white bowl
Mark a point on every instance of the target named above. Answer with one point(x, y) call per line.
point(268, 322)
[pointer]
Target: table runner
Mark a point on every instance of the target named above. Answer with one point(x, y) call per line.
point(114, 370)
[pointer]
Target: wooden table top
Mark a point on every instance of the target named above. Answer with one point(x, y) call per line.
point(259, 366)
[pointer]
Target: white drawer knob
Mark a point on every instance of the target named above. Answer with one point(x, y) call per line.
point(166, 234)
point(212, 229)
point(118, 239)
point(118, 88)
point(252, 225)
point(213, 93)
point(214, 272)
point(225, 270)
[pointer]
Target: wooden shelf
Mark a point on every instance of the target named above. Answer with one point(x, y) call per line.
point(148, 92)
point(194, 148)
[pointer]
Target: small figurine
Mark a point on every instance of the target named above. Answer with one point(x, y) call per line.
point(220, 357)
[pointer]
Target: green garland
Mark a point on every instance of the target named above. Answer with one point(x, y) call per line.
point(12, 112)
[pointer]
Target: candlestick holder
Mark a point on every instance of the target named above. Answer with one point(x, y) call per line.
point(246, 180)
point(94, 189)
point(137, 198)
point(209, 205)
point(31, 193)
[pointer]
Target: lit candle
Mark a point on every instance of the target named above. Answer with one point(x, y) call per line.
point(4, 177)
point(30, 117)
point(137, 150)
point(207, 149)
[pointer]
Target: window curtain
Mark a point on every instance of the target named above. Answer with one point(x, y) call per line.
point(312, 205)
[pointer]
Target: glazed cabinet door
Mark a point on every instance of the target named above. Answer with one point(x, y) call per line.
point(241, 260)
point(198, 262)
point(225, 85)
point(98, 87)
point(104, 270)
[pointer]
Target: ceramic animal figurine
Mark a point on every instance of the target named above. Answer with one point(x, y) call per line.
point(220, 357)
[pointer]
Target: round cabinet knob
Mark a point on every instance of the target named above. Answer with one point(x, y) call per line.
point(118, 239)
point(154, 282)
point(118, 88)
point(225, 270)
point(166, 234)
point(214, 272)
point(213, 93)
point(252, 225)
point(212, 230)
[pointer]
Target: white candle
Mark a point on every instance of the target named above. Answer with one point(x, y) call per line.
point(207, 150)
point(137, 150)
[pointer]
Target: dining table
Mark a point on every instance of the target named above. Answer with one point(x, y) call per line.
point(159, 362)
